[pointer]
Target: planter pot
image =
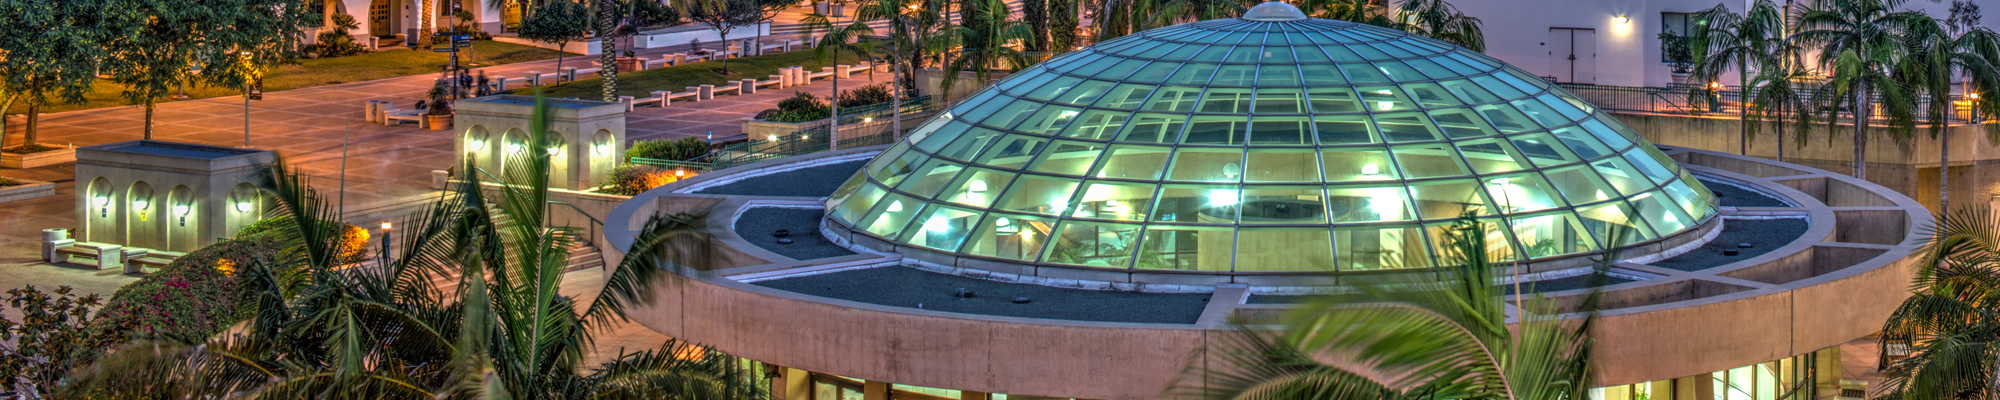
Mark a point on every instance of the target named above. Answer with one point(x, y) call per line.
point(33, 160)
point(27, 190)
point(1680, 78)
point(628, 64)
point(840, 10)
point(438, 122)
point(820, 7)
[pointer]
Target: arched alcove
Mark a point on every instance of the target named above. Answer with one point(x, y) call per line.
point(514, 147)
point(97, 202)
point(183, 219)
point(143, 217)
point(479, 148)
point(246, 206)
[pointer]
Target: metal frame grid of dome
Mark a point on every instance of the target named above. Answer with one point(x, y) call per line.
point(1250, 146)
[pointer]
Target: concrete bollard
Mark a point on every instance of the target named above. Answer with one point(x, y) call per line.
point(707, 92)
point(440, 179)
point(680, 58)
point(368, 110)
point(641, 65)
point(747, 86)
point(568, 75)
point(534, 78)
point(499, 83)
point(663, 97)
point(627, 101)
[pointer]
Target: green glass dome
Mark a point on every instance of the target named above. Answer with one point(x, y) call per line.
point(1275, 143)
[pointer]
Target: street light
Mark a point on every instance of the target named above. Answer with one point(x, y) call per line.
point(248, 77)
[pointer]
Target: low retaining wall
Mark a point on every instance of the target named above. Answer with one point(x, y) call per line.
point(38, 159)
point(28, 190)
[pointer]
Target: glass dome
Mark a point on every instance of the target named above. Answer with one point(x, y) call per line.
point(1271, 144)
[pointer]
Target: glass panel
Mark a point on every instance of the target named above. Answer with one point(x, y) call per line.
point(1049, 120)
point(857, 205)
point(1649, 166)
point(1455, 66)
point(1027, 81)
point(1198, 164)
point(1563, 107)
point(1097, 125)
point(1502, 89)
point(1134, 162)
point(1430, 68)
point(1430, 95)
point(1282, 165)
point(931, 178)
point(1689, 201)
point(1392, 50)
point(1368, 203)
point(1280, 131)
point(1469, 92)
point(1507, 119)
point(1283, 205)
point(1183, 52)
point(1206, 204)
point(1552, 235)
point(941, 228)
point(1460, 123)
point(1038, 194)
point(1310, 55)
point(1343, 129)
point(1333, 100)
point(1234, 75)
point(1540, 112)
point(1499, 248)
point(1284, 249)
point(1600, 219)
point(1340, 53)
point(1522, 80)
point(1093, 244)
point(1437, 200)
point(1406, 127)
point(1428, 161)
point(1065, 157)
point(1384, 98)
point(1656, 209)
point(983, 98)
point(854, 183)
point(1153, 73)
point(891, 215)
point(1490, 156)
point(1280, 101)
point(1193, 74)
point(1213, 53)
point(1007, 116)
point(937, 133)
point(1114, 200)
point(1622, 175)
point(1603, 132)
point(1322, 75)
point(1581, 142)
point(1541, 149)
point(1278, 75)
point(1363, 74)
point(1053, 88)
point(1579, 185)
point(1233, 101)
point(1367, 52)
point(1154, 128)
point(1368, 248)
point(1519, 193)
point(1213, 129)
point(1399, 72)
point(1014, 237)
point(1084, 93)
point(1012, 152)
point(1126, 96)
point(977, 188)
point(1187, 248)
point(1174, 99)
point(895, 170)
point(1358, 164)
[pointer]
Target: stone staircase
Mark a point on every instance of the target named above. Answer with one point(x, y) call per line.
point(583, 253)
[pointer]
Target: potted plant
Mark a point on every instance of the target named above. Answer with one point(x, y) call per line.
point(438, 117)
point(1679, 57)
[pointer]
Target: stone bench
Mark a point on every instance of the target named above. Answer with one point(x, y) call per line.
point(104, 255)
point(152, 259)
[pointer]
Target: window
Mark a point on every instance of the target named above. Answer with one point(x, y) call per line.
point(1677, 23)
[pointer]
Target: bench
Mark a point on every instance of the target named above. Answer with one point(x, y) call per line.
point(397, 117)
point(152, 259)
point(712, 90)
point(105, 255)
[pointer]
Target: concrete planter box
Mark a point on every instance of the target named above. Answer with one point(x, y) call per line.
point(758, 129)
point(34, 160)
point(27, 190)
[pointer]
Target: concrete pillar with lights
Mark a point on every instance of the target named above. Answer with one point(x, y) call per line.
point(587, 138)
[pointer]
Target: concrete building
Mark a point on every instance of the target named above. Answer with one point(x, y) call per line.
point(166, 196)
point(391, 18)
point(1257, 189)
point(588, 141)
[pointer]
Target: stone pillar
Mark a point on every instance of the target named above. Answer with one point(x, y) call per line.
point(369, 111)
point(1826, 373)
point(707, 92)
point(534, 78)
point(749, 86)
point(680, 58)
point(568, 75)
point(627, 101)
point(663, 97)
point(499, 83)
point(874, 390)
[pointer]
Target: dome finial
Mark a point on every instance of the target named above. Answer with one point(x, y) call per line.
point(1274, 11)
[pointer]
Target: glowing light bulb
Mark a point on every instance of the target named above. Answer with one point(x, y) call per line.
point(554, 150)
point(602, 149)
point(680, 173)
point(1370, 169)
point(475, 145)
point(975, 186)
point(1385, 105)
point(1387, 204)
point(774, 138)
point(937, 223)
point(243, 206)
point(1003, 221)
point(1222, 198)
point(181, 210)
point(141, 204)
point(1624, 19)
point(895, 206)
point(385, 225)
point(103, 201)
point(513, 148)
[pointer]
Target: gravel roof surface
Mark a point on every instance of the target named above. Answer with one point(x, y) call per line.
point(757, 224)
point(818, 181)
point(1765, 234)
point(1732, 196)
point(907, 287)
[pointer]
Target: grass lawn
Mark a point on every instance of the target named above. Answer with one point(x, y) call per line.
point(329, 71)
point(678, 78)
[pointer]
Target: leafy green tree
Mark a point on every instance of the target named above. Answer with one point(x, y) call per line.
point(1420, 336)
point(557, 23)
point(150, 45)
point(1062, 25)
point(1736, 41)
point(1941, 52)
point(1035, 13)
point(1439, 20)
point(1860, 45)
point(49, 51)
point(1951, 321)
point(384, 328)
point(984, 33)
point(52, 338)
point(726, 15)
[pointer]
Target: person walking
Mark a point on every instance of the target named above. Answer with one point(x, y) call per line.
point(484, 87)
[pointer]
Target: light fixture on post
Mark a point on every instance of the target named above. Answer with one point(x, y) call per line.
point(385, 239)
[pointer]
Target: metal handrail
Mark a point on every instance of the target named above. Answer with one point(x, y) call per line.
point(594, 223)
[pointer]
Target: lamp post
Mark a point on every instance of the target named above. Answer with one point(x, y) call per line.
point(249, 77)
point(385, 240)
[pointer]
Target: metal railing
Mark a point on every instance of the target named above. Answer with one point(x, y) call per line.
point(594, 223)
point(1729, 101)
point(817, 138)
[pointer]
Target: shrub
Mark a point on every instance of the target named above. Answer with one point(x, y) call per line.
point(353, 241)
point(54, 336)
point(336, 43)
point(866, 95)
point(801, 107)
point(189, 300)
point(678, 150)
point(632, 179)
point(4, 182)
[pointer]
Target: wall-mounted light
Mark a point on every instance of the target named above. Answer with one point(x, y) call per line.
point(774, 138)
point(103, 205)
point(680, 173)
point(385, 226)
point(181, 211)
point(601, 149)
point(142, 205)
point(1624, 19)
point(513, 148)
point(475, 145)
point(1231, 170)
point(555, 150)
point(243, 206)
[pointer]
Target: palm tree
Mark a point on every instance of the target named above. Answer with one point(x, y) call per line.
point(385, 329)
point(424, 27)
point(1778, 96)
point(1442, 336)
point(1729, 40)
point(1939, 52)
point(1860, 42)
point(985, 35)
point(1951, 322)
point(1124, 17)
point(1439, 20)
point(1363, 11)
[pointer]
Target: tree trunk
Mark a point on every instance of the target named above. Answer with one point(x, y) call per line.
point(607, 63)
point(149, 119)
point(1944, 169)
point(424, 28)
point(1861, 113)
point(34, 115)
point(559, 59)
point(1781, 133)
point(1743, 106)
